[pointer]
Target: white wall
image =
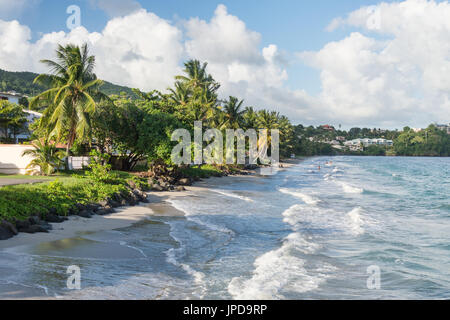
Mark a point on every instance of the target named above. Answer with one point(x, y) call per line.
point(78, 163)
point(11, 159)
point(11, 98)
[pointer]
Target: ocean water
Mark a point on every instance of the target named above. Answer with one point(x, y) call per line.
point(303, 233)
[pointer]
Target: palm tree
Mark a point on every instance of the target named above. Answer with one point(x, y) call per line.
point(46, 157)
point(181, 94)
point(233, 112)
point(196, 91)
point(72, 97)
point(267, 119)
point(196, 75)
point(250, 118)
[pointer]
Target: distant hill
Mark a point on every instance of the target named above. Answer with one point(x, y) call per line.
point(22, 82)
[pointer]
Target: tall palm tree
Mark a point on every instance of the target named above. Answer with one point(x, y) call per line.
point(45, 156)
point(198, 90)
point(196, 75)
point(233, 112)
point(72, 96)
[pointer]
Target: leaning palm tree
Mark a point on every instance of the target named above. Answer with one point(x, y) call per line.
point(47, 158)
point(233, 112)
point(72, 96)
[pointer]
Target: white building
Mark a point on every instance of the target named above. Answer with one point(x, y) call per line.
point(369, 142)
point(444, 127)
point(11, 96)
point(14, 97)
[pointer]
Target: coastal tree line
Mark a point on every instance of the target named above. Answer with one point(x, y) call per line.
point(135, 126)
point(76, 112)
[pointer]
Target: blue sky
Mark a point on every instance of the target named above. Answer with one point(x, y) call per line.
point(281, 55)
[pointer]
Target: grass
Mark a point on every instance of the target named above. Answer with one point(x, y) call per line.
point(204, 171)
point(60, 192)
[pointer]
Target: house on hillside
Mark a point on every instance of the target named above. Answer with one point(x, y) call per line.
point(327, 127)
point(444, 127)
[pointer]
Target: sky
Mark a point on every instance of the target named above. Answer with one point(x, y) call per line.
point(348, 62)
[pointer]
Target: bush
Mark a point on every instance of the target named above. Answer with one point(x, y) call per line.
point(22, 201)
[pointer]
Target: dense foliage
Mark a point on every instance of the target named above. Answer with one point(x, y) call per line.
point(429, 142)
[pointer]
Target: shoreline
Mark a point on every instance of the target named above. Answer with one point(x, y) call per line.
point(124, 216)
point(77, 227)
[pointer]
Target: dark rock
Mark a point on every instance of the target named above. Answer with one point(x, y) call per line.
point(21, 225)
point(145, 200)
point(102, 212)
point(52, 211)
point(73, 211)
point(123, 203)
point(114, 204)
point(9, 226)
point(85, 214)
point(117, 197)
point(35, 229)
point(54, 218)
point(34, 220)
point(93, 207)
point(80, 206)
point(5, 233)
point(135, 197)
point(47, 226)
point(180, 188)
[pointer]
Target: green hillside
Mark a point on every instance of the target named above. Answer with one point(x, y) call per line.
point(22, 82)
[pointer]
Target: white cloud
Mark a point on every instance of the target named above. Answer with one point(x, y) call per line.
point(398, 75)
point(139, 50)
point(235, 57)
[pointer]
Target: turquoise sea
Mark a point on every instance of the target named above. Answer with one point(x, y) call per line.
point(303, 233)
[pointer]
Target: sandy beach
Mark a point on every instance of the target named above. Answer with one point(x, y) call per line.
point(72, 233)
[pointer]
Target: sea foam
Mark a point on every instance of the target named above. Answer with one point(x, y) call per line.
point(277, 270)
point(304, 197)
